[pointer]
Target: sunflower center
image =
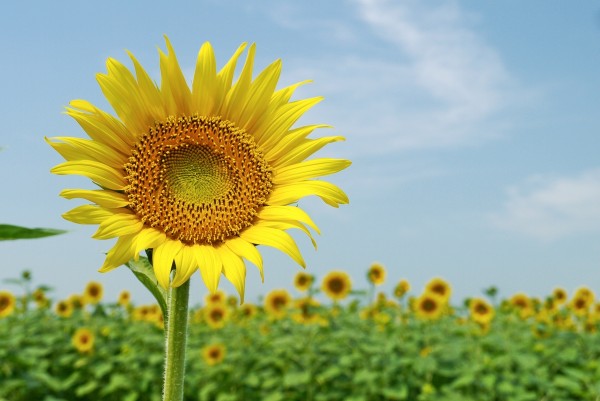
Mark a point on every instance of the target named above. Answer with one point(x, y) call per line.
point(198, 179)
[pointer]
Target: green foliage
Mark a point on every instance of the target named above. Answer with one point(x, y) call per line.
point(343, 357)
point(143, 271)
point(10, 232)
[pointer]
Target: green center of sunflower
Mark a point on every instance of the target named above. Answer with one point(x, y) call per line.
point(198, 179)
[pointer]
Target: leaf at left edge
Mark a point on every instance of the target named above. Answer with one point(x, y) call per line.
point(143, 271)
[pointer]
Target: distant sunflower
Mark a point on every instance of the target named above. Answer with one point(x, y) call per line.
point(83, 340)
point(376, 274)
point(277, 302)
point(247, 310)
point(303, 281)
point(200, 174)
point(307, 312)
point(63, 308)
point(124, 298)
point(401, 288)
point(216, 315)
point(93, 293)
point(217, 297)
point(560, 295)
point(76, 301)
point(580, 304)
point(40, 299)
point(429, 305)
point(585, 293)
point(523, 304)
point(480, 311)
point(336, 285)
point(213, 354)
point(440, 287)
point(7, 303)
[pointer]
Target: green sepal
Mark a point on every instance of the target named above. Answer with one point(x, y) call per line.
point(10, 232)
point(143, 270)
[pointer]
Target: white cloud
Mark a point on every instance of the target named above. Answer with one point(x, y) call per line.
point(550, 208)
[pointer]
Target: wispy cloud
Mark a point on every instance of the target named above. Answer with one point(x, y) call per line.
point(549, 208)
point(436, 83)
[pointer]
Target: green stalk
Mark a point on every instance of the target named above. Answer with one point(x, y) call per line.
point(175, 342)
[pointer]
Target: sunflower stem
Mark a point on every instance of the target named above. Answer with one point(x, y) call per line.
point(175, 342)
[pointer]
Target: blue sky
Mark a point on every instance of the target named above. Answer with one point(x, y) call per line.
point(472, 127)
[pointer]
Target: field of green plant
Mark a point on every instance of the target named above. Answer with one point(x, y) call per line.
point(409, 345)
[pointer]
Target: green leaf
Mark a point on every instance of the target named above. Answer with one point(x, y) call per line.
point(87, 388)
point(10, 232)
point(143, 271)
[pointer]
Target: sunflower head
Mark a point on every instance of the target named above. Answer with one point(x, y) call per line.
point(303, 281)
point(376, 274)
point(217, 297)
point(83, 340)
point(277, 303)
point(560, 295)
point(64, 308)
point(93, 293)
point(480, 311)
point(216, 315)
point(306, 311)
point(200, 173)
point(440, 287)
point(213, 354)
point(40, 299)
point(124, 298)
point(401, 288)
point(336, 285)
point(429, 305)
point(7, 303)
point(76, 301)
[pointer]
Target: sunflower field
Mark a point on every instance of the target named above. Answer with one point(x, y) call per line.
point(359, 345)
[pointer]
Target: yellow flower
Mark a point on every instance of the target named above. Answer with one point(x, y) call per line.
point(76, 301)
point(217, 297)
point(247, 310)
point(64, 308)
point(303, 281)
point(376, 274)
point(307, 311)
point(440, 287)
point(559, 295)
point(336, 285)
point(39, 297)
point(401, 288)
point(213, 354)
point(7, 303)
point(124, 298)
point(429, 305)
point(523, 304)
point(480, 311)
point(277, 303)
point(200, 174)
point(83, 340)
point(216, 315)
point(93, 293)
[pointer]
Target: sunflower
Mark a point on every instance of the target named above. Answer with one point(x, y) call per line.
point(124, 298)
point(216, 315)
point(202, 174)
point(213, 354)
point(440, 287)
point(83, 340)
point(40, 299)
point(307, 311)
point(401, 288)
point(247, 311)
point(93, 293)
point(217, 297)
point(376, 274)
point(76, 301)
point(277, 303)
point(336, 285)
point(580, 304)
point(63, 308)
point(429, 305)
point(7, 303)
point(560, 295)
point(523, 304)
point(480, 311)
point(303, 281)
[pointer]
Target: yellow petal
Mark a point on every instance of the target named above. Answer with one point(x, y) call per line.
point(101, 174)
point(149, 91)
point(209, 264)
point(174, 88)
point(275, 238)
point(286, 213)
point(246, 250)
point(185, 265)
point(118, 225)
point(298, 151)
point(119, 254)
point(148, 238)
point(289, 193)
point(290, 141)
point(234, 269)
point(80, 149)
point(309, 169)
point(162, 260)
point(101, 197)
point(225, 77)
point(259, 96)
point(87, 214)
point(205, 80)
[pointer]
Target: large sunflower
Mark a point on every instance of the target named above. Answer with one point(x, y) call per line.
point(200, 174)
